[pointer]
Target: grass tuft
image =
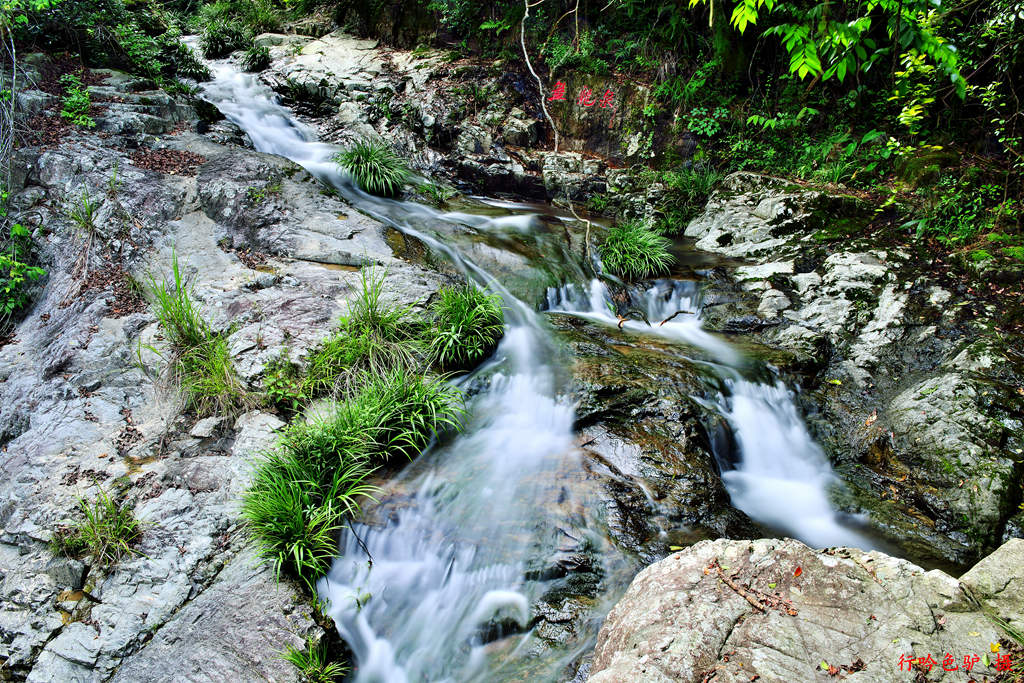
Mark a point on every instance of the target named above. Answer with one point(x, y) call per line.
point(468, 324)
point(313, 662)
point(634, 250)
point(374, 338)
point(200, 359)
point(375, 167)
point(107, 532)
point(256, 58)
point(296, 504)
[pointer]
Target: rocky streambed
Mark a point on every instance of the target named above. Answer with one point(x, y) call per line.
point(913, 396)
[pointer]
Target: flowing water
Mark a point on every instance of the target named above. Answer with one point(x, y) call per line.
point(456, 530)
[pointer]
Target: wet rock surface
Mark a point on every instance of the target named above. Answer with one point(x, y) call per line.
point(909, 389)
point(843, 609)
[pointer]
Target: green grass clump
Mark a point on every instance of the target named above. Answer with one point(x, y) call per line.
point(296, 505)
point(404, 410)
point(634, 250)
point(374, 337)
point(256, 58)
point(200, 359)
point(221, 37)
point(313, 662)
point(467, 325)
point(375, 167)
point(436, 193)
point(107, 532)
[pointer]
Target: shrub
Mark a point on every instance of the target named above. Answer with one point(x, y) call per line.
point(200, 360)
point(16, 275)
point(75, 102)
point(295, 507)
point(107, 532)
point(221, 37)
point(312, 662)
point(375, 167)
point(634, 250)
point(256, 58)
point(467, 325)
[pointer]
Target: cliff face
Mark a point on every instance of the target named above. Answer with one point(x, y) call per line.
point(776, 610)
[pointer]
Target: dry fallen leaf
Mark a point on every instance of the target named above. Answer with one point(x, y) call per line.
point(799, 571)
point(871, 420)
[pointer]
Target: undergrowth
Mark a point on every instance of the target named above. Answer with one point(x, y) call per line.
point(379, 402)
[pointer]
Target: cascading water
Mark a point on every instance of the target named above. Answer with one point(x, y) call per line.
point(452, 558)
point(454, 532)
point(782, 477)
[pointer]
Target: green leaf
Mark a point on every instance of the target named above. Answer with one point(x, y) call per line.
point(772, 585)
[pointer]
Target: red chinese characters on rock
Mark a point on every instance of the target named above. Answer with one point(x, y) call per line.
point(559, 92)
point(585, 97)
point(949, 662)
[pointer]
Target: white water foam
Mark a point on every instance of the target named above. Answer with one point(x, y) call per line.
point(782, 478)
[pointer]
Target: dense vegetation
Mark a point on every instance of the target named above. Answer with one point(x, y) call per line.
point(910, 104)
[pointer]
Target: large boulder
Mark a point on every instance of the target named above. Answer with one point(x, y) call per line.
point(776, 610)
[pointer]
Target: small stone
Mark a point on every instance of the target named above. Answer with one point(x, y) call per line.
point(205, 427)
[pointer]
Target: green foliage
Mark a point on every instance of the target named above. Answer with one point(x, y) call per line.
point(598, 203)
point(107, 531)
point(16, 275)
point(687, 192)
point(1016, 252)
point(829, 41)
point(283, 384)
point(200, 359)
point(634, 250)
point(457, 15)
point(208, 379)
point(295, 507)
point(467, 325)
point(180, 319)
point(256, 58)
point(961, 210)
point(403, 410)
point(221, 37)
point(14, 12)
point(75, 102)
point(374, 337)
point(375, 167)
point(313, 662)
point(705, 122)
point(141, 38)
point(436, 193)
point(579, 55)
